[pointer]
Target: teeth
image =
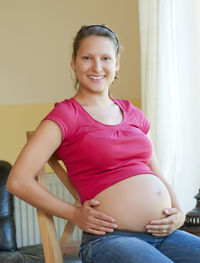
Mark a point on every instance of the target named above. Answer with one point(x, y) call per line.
point(93, 77)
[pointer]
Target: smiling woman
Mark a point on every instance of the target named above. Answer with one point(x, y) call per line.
point(128, 211)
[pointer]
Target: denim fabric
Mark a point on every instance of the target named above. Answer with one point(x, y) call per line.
point(140, 247)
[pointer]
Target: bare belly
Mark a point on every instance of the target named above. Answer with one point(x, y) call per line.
point(134, 201)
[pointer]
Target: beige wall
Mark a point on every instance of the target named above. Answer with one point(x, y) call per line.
point(36, 40)
point(35, 52)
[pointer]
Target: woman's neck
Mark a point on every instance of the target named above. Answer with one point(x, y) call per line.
point(92, 99)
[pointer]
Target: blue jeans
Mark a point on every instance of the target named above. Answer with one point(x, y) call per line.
point(140, 247)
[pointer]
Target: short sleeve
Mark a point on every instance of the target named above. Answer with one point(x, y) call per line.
point(143, 123)
point(135, 115)
point(63, 115)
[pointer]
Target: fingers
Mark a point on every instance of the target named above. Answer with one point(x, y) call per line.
point(165, 226)
point(163, 230)
point(102, 216)
point(104, 224)
point(96, 232)
point(93, 221)
point(92, 202)
point(164, 221)
point(160, 232)
point(98, 221)
point(96, 214)
point(170, 211)
point(162, 227)
point(98, 227)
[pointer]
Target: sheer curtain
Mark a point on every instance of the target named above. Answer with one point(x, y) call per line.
point(170, 97)
point(148, 15)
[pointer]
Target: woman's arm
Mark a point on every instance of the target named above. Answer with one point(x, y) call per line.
point(22, 182)
point(174, 216)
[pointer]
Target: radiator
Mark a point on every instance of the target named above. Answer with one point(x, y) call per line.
point(27, 228)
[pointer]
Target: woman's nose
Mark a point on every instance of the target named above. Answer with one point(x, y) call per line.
point(97, 67)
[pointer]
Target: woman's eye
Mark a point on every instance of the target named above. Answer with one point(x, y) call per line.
point(86, 58)
point(106, 58)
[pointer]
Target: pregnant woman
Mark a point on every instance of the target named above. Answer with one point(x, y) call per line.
point(129, 213)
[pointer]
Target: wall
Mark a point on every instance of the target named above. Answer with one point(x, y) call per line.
point(35, 51)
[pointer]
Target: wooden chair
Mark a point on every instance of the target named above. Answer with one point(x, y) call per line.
point(54, 249)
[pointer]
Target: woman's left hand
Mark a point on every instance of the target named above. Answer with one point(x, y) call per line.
point(165, 226)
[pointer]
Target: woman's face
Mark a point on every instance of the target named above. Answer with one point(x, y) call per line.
point(95, 64)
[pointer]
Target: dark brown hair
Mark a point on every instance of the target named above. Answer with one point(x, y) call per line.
point(95, 30)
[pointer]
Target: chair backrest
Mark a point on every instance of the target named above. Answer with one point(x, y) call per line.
point(54, 249)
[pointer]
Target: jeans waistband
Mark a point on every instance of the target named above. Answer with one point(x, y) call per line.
point(87, 237)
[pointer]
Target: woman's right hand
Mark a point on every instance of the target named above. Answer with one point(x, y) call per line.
point(91, 220)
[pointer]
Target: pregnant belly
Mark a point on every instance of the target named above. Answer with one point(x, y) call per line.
point(134, 201)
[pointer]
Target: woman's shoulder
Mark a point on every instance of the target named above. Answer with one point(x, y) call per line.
point(64, 113)
point(64, 105)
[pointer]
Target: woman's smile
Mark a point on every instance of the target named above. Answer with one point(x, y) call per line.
point(96, 78)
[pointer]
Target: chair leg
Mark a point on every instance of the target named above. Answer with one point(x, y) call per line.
point(68, 247)
point(50, 240)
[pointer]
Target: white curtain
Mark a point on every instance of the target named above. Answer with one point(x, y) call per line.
point(148, 15)
point(171, 99)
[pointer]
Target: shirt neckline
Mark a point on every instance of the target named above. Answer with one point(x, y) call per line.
point(101, 123)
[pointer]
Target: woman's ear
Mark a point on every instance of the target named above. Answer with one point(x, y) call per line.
point(73, 63)
point(118, 63)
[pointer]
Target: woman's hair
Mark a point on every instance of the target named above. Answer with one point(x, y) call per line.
point(95, 30)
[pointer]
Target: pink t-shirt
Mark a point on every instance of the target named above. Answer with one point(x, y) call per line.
point(97, 155)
